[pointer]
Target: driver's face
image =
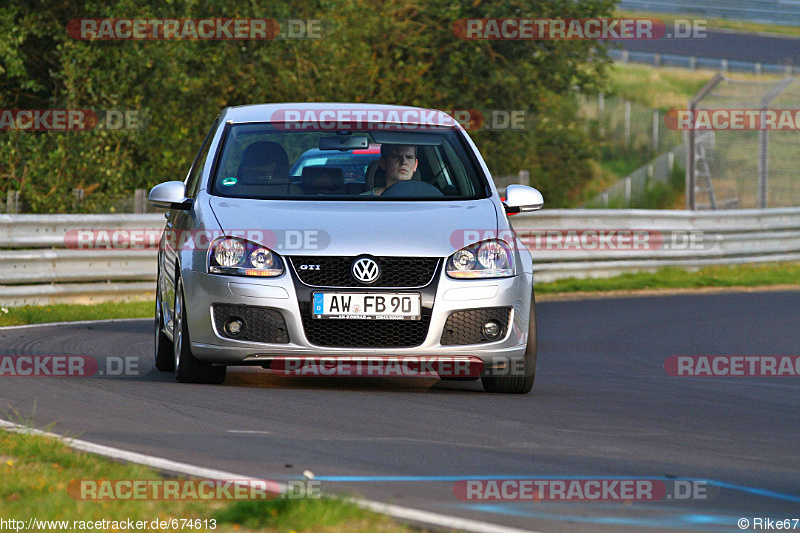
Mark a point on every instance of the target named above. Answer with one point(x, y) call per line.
point(400, 164)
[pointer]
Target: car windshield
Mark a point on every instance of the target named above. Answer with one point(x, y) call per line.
point(262, 161)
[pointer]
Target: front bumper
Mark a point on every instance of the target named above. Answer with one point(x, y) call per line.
point(204, 290)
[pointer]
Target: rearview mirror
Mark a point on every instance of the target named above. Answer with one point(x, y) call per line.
point(170, 195)
point(521, 198)
point(344, 142)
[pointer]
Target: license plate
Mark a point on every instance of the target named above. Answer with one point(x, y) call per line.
point(366, 306)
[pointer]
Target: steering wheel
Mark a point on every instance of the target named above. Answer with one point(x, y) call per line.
point(412, 189)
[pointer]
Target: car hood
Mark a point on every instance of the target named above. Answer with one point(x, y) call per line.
point(421, 229)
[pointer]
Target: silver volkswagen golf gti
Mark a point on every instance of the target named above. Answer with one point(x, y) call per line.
point(416, 262)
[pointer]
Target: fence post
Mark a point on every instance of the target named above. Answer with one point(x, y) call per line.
point(657, 60)
point(601, 111)
point(624, 56)
point(524, 177)
point(693, 62)
point(656, 117)
point(605, 198)
point(17, 202)
point(670, 162)
point(628, 191)
point(627, 123)
point(724, 65)
point(139, 200)
point(763, 163)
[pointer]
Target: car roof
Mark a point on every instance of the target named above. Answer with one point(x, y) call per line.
point(264, 112)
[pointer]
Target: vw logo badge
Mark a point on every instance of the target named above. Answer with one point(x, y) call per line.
point(366, 270)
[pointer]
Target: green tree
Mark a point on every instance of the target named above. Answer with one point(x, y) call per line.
point(399, 52)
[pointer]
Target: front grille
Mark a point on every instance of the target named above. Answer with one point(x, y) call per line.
point(344, 333)
point(261, 324)
point(334, 271)
point(464, 327)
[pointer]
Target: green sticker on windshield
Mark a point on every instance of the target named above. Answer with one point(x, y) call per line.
point(229, 181)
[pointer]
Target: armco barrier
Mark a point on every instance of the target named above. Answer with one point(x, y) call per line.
point(37, 268)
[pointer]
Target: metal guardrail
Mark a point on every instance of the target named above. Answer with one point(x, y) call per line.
point(703, 63)
point(49, 231)
point(723, 238)
point(36, 267)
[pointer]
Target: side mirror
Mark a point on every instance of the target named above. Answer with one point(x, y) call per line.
point(521, 198)
point(170, 195)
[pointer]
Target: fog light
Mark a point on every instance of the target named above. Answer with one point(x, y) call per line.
point(234, 326)
point(492, 330)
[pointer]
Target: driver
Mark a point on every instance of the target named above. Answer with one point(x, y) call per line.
point(399, 162)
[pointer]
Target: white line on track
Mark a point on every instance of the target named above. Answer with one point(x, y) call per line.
point(395, 511)
point(247, 432)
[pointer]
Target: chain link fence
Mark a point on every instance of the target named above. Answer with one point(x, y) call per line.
point(634, 136)
point(636, 189)
point(744, 166)
point(627, 127)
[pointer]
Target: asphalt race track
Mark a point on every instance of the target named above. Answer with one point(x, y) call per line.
point(725, 44)
point(603, 407)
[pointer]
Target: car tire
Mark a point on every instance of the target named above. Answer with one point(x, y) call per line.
point(519, 382)
point(189, 369)
point(164, 355)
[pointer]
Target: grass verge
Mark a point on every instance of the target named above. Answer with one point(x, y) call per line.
point(34, 314)
point(35, 472)
point(723, 24)
point(665, 88)
point(677, 278)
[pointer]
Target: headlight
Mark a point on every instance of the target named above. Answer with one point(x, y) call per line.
point(238, 257)
point(487, 259)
